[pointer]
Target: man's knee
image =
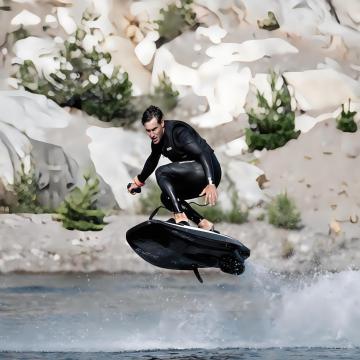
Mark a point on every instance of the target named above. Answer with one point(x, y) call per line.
point(161, 172)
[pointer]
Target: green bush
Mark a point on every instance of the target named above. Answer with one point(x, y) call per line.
point(270, 23)
point(25, 189)
point(272, 125)
point(175, 20)
point(217, 214)
point(80, 82)
point(151, 200)
point(345, 121)
point(282, 212)
point(79, 210)
point(164, 96)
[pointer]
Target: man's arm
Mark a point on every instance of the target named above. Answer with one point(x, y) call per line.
point(150, 163)
point(149, 167)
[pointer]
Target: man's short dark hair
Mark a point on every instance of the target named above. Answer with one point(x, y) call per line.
point(152, 112)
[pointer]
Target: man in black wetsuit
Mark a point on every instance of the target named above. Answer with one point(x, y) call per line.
point(194, 171)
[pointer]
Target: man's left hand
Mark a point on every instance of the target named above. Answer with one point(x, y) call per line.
point(210, 193)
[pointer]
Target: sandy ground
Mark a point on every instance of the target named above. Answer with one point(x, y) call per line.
point(36, 243)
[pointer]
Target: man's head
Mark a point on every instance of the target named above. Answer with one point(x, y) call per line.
point(153, 122)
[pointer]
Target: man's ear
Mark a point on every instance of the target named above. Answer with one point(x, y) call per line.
point(162, 123)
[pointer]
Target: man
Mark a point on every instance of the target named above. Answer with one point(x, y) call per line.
point(194, 171)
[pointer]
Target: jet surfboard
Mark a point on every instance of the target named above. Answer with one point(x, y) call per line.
point(180, 247)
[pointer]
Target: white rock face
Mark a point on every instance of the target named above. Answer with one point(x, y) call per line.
point(25, 18)
point(146, 48)
point(114, 152)
point(257, 9)
point(225, 89)
point(122, 52)
point(250, 50)
point(179, 74)
point(31, 113)
point(348, 12)
point(6, 164)
point(215, 33)
point(244, 176)
point(235, 147)
point(66, 21)
point(321, 89)
point(304, 123)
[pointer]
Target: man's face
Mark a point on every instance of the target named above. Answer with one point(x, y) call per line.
point(154, 130)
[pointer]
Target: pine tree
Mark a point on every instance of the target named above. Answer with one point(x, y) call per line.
point(175, 20)
point(80, 82)
point(79, 209)
point(272, 125)
point(345, 121)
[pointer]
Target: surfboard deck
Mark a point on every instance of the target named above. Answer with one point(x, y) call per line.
point(179, 247)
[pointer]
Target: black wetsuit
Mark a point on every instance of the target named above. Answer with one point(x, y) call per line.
point(194, 165)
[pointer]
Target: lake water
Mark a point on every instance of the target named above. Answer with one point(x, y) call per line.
point(135, 316)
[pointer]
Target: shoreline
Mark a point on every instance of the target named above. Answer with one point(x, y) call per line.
point(35, 243)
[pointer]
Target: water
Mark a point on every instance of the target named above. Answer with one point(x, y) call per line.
point(255, 316)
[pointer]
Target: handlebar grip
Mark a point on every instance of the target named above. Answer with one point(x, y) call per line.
point(137, 190)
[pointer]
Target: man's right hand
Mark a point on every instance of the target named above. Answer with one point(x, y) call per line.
point(133, 189)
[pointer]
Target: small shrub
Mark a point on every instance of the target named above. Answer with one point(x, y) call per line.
point(282, 212)
point(81, 82)
point(236, 216)
point(345, 121)
point(175, 20)
point(212, 213)
point(79, 210)
point(151, 200)
point(271, 125)
point(261, 217)
point(287, 249)
point(164, 96)
point(270, 23)
point(25, 189)
point(216, 214)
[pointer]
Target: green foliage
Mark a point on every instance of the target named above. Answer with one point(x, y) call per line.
point(151, 200)
point(164, 96)
point(282, 212)
point(80, 82)
point(213, 213)
point(270, 23)
point(25, 189)
point(287, 249)
point(345, 121)
point(175, 20)
point(272, 125)
point(79, 210)
point(218, 214)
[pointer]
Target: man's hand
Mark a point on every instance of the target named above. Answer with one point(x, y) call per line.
point(210, 193)
point(132, 188)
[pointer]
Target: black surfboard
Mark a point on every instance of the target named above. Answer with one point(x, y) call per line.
point(172, 246)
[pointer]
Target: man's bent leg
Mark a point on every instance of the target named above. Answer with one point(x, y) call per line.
point(183, 180)
point(165, 179)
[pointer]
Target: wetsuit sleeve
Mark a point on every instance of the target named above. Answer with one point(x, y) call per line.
point(151, 163)
point(186, 140)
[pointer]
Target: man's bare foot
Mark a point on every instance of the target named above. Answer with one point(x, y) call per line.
point(205, 224)
point(180, 217)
